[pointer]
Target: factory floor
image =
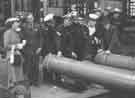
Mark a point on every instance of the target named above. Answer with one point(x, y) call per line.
point(51, 91)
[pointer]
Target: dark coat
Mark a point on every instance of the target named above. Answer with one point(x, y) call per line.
point(50, 39)
point(107, 37)
point(79, 39)
point(72, 40)
point(31, 57)
point(33, 38)
point(67, 42)
point(90, 46)
point(75, 38)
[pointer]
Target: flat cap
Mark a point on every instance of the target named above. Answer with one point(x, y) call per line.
point(108, 8)
point(93, 16)
point(117, 10)
point(49, 17)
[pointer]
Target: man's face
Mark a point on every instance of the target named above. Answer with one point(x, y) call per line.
point(91, 23)
point(15, 25)
point(107, 26)
point(116, 15)
point(51, 23)
point(106, 13)
point(73, 7)
point(30, 18)
point(67, 22)
point(98, 13)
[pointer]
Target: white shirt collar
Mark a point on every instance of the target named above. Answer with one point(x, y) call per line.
point(92, 30)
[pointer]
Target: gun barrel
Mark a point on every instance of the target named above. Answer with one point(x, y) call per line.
point(115, 60)
point(107, 76)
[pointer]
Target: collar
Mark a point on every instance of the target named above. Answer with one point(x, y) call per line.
point(92, 30)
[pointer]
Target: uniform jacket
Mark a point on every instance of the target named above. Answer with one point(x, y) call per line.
point(50, 39)
point(32, 36)
point(90, 46)
point(67, 42)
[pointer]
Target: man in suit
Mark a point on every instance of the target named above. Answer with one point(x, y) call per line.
point(92, 38)
point(32, 49)
point(51, 43)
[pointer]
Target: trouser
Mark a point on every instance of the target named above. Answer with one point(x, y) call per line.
point(51, 76)
point(31, 67)
point(118, 48)
point(15, 74)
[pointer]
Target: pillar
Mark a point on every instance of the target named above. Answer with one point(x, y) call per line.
point(45, 7)
point(25, 5)
point(19, 4)
point(12, 7)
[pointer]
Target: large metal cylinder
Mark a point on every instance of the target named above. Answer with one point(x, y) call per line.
point(114, 60)
point(104, 75)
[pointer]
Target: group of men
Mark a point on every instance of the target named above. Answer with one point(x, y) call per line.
point(62, 36)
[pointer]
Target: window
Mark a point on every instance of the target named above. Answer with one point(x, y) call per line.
point(53, 3)
point(131, 8)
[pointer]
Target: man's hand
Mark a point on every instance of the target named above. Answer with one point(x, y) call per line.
point(38, 50)
point(100, 51)
point(74, 55)
point(96, 40)
point(24, 42)
point(59, 53)
point(107, 51)
point(21, 45)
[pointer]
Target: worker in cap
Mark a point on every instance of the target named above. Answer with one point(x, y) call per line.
point(73, 11)
point(116, 16)
point(30, 20)
point(51, 42)
point(68, 30)
point(51, 33)
point(98, 12)
point(92, 19)
point(116, 12)
point(30, 17)
point(92, 38)
point(93, 24)
point(116, 22)
point(107, 10)
point(49, 19)
point(67, 16)
point(106, 18)
point(32, 51)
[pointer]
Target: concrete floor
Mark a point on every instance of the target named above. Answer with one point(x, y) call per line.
point(50, 91)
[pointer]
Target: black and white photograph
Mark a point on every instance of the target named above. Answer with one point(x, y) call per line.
point(67, 48)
